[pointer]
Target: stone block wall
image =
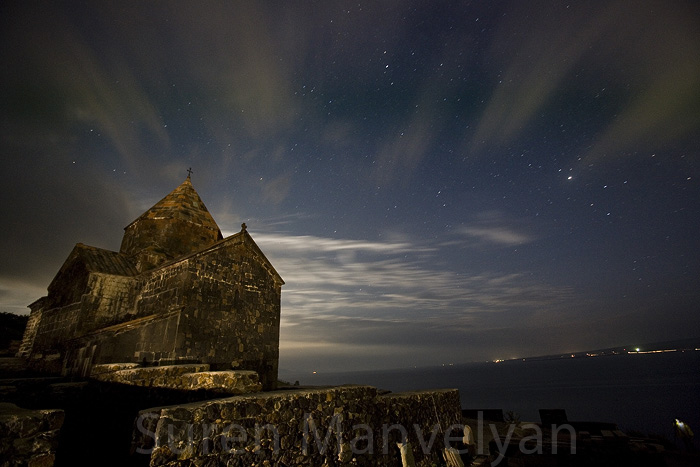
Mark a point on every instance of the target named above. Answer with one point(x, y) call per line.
point(147, 339)
point(109, 300)
point(180, 377)
point(231, 308)
point(153, 242)
point(157, 376)
point(348, 425)
point(102, 371)
point(44, 340)
point(30, 331)
point(162, 289)
point(229, 382)
point(56, 325)
point(150, 339)
point(29, 437)
point(232, 322)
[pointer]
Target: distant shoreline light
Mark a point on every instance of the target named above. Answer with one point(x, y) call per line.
point(637, 351)
point(654, 351)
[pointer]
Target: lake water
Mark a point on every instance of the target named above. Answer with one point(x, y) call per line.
point(638, 392)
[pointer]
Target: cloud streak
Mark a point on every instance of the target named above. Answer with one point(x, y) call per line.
point(78, 87)
point(540, 55)
point(658, 47)
point(384, 290)
point(495, 235)
point(654, 48)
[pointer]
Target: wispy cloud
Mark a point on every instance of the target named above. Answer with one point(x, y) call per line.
point(322, 276)
point(659, 49)
point(314, 243)
point(492, 228)
point(404, 151)
point(78, 87)
point(540, 55)
point(649, 52)
point(346, 291)
point(497, 235)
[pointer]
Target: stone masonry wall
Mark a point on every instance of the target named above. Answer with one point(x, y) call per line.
point(190, 377)
point(30, 331)
point(163, 289)
point(348, 425)
point(109, 300)
point(233, 319)
point(155, 241)
point(28, 437)
point(149, 339)
point(56, 324)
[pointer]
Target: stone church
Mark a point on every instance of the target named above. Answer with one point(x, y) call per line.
point(176, 292)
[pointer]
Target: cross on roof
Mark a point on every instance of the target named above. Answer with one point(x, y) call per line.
point(189, 172)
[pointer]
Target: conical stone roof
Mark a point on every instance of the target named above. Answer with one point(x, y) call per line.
point(176, 225)
point(182, 203)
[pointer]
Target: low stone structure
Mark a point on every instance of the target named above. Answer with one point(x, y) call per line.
point(346, 425)
point(28, 437)
point(179, 377)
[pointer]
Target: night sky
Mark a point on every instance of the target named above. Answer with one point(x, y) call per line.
point(437, 182)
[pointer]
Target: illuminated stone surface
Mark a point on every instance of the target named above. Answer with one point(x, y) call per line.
point(176, 292)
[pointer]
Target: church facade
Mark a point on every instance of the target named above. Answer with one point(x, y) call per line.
point(176, 292)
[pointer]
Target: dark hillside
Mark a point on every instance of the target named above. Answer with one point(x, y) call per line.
point(11, 329)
